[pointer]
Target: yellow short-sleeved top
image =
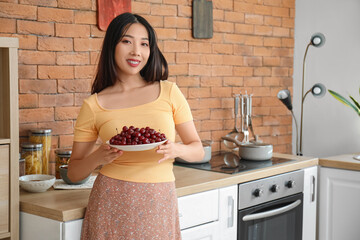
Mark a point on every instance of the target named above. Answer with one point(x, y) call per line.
point(169, 109)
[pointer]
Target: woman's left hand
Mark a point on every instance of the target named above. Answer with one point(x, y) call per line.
point(168, 149)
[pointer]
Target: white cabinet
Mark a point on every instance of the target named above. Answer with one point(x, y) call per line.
point(310, 203)
point(209, 215)
point(339, 204)
point(35, 227)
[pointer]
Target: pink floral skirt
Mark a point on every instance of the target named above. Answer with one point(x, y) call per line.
point(128, 210)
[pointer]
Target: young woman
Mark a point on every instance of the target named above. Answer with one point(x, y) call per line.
point(134, 195)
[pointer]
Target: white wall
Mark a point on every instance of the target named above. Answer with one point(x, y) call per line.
point(329, 127)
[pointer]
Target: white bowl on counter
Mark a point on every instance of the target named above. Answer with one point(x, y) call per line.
point(36, 182)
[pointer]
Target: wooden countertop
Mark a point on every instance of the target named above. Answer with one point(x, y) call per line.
point(345, 161)
point(66, 205)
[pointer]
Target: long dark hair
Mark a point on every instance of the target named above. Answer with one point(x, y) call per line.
point(156, 68)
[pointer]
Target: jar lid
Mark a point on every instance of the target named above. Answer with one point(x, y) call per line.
point(63, 151)
point(41, 131)
point(20, 158)
point(31, 145)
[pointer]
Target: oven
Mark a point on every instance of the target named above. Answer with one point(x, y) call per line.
point(271, 208)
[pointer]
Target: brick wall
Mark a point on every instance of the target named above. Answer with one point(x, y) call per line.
point(251, 50)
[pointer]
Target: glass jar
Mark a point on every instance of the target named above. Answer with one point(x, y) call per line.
point(62, 157)
point(42, 136)
point(32, 153)
point(21, 166)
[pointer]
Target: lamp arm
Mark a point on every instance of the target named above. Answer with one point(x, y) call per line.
point(297, 134)
point(303, 97)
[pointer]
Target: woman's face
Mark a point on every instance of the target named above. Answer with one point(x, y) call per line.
point(132, 52)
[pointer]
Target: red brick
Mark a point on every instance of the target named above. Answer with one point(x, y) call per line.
point(58, 127)
point(163, 10)
point(262, 71)
point(48, 3)
point(24, 129)
point(218, 15)
point(208, 125)
point(66, 113)
point(210, 81)
point(221, 91)
point(254, 19)
point(286, 62)
point(271, 81)
point(222, 71)
point(187, 81)
point(263, 30)
point(178, 69)
point(253, 61)
point(37, 86)
point(272, 21)
point(36, 115)
point(196, 69)
point(244, 28)
point(66, 141)
point(187, 58)
point(85, 71)
point(222, 48)
point(283, 52)
point(254, 41)
point(199, 47)
point(272, 42)
point(47, 100)
point(243, 71)
point(27, 41)
point(94, 57)
point(253, 81)
point(155, 21)
point(72, 58)
point(32, 27)
point(211, 59)
point(7, 25)
point(235, 17)
point(200, 114)
point(287, 42)
point(288, 22)
point(184, 11)
point(140, 7)
point(199, 92)
point(12, 10)
point(234, 38)
point(66, 99)
point(27, 71)
point(262, 51)
point(36, 57)
point(79, 98)
point(78, 85)
point(96, 32)
point(28, 101)
point(244, 50)
point(55, 44)
point(184, 34)
point(262, 10)
point(223, 4)
point(85, 17)
point(220, 114)
point(91, 44)
point(177, 22)
point(165, 33)
point(220, 26)
point(56, 72)
point(233, 81)
point(176, 46)
point(72, 30)
point(281, 32)
point(280, 12)
point(79, 4)
point(209, 102)
point(271, 61)
point(46, 14)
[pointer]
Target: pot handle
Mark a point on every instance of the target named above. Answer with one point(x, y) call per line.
point(230, 139)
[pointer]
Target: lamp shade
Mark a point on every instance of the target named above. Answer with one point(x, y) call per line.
point(285, 98)
point(317, 40)
point(318, 90)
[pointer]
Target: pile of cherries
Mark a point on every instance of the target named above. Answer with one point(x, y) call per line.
point(135, 136)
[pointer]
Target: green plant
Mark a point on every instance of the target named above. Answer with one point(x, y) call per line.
point(355, 105)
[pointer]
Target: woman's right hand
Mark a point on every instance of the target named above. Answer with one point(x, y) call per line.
point(106, 154)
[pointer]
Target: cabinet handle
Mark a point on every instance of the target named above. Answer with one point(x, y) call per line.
point(313, 189)
point(230, 221)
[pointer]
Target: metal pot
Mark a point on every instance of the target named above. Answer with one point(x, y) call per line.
point(252, 150)
point(207, 149)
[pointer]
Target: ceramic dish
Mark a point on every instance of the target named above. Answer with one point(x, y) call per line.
point(36, 182)
point(139, 147)
point(63, 173)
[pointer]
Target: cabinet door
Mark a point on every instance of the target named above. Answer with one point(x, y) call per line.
point(72, 230)
point(339, 208)
point(228, 212)
point(309, 203)
point(209, 231)
point(35, 227)
point(4, 188)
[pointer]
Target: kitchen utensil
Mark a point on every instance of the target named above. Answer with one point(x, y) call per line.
point(63, 173)
point(235, 132)
point(207, 156)
point(108, 10)
point(246, 105)
point(253, 150)
point(231, 160)
point(202, 19)
point(36, 182)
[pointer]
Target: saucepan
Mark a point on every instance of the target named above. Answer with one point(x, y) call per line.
point(207, 149)
point(252, 150)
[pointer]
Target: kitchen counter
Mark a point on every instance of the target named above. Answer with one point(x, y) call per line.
point(66, 205)
point(345, 161)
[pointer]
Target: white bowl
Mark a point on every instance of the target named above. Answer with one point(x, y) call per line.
point(36, 182)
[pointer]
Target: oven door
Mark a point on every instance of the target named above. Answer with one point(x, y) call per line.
point(279, 219)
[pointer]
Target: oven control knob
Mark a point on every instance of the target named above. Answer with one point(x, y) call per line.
point(290, 184)
point(258, 192)
point(274, 188)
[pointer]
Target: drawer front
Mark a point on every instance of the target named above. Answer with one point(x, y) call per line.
point(4, 188)
point(198, 208)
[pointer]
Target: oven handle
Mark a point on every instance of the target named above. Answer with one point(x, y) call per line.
point(273, 212)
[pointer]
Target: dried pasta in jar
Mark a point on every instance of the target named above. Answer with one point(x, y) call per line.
point(32, 153)
point(62, 157)
point(42, 136)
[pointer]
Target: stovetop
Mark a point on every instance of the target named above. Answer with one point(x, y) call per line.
point(229, 162)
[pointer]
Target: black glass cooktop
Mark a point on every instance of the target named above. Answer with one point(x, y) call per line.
point(229, 162)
